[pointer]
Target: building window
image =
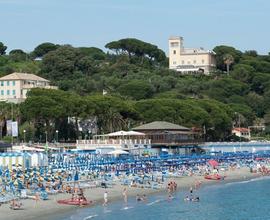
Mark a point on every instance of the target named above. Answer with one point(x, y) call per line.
point(2, 92)
point(202, 61)
point(174, 51)
point(183, 62)
point(2, 83)
point(188, 62)
point(174, 62)
point(13, 83)
point(8, 93)
point(194, 61)
point(7, 83)
point(13, 92)
point(174, 44)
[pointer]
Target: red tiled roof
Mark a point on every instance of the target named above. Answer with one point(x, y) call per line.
point(241, 129)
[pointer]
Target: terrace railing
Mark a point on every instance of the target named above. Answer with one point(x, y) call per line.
point(114, 142)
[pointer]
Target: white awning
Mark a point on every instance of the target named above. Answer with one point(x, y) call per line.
point(135, 133)
point(118, 152)
point(123, 133)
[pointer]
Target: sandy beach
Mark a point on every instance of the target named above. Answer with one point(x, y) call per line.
point(43, 209)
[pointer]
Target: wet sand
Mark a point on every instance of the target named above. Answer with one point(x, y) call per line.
point(43, 209)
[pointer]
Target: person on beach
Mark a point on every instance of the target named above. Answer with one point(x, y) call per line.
point(169, 190)
point(175, 187)
point(15, 205)
point(81, 195)
point(191, 190)
point(37, 197)
point(76, 178)
point(138, 198)
point(72, 197)
point(125, 195)
point(197, 184)
point(144, 198)
point(105, 198)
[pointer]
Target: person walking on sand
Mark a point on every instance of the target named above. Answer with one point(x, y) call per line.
point(37, 197)
point(105, 198)
point(125, 195)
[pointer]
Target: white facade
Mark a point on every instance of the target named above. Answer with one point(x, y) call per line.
point(113, 144)
point(189, 60)
point(242, 133)
point(14, 87)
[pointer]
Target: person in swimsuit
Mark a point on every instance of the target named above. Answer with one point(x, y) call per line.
point(125, 195)
point(105, 198)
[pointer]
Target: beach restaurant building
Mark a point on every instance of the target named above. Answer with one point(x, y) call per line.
point(169, 137)
point(152, 138)
point(129, 141)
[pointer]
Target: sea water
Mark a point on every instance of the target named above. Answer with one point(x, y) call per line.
point(245, 200)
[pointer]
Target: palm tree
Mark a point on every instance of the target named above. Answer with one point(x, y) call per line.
point(228, 60)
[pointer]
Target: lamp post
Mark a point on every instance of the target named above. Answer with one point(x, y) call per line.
point(46, 137)
point(57, 140)
point(56, 135)
point(24, 132)
point(89, 134)
point(239, 128)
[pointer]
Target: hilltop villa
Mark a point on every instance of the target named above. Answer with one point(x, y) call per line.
point(13, 87)
point(189, 60)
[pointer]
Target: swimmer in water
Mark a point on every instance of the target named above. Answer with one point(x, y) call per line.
point(125, 195)
point(186, 199)
point(197, 199)
point(144, 198)
point(138, 198)
point(105, 198)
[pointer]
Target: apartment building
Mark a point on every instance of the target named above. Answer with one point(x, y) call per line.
point(14, 87)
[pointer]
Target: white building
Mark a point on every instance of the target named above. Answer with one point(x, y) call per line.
point(242, 132)
point(189, 60)
point(14, 87)
point(131, 141)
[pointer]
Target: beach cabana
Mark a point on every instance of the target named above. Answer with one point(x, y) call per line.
point(10, 160)
point(39, 160)
point(36, 159)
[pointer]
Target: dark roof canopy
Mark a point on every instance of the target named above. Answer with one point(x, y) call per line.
point(161, 125)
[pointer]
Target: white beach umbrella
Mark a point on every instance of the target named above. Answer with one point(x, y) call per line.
point(117, 133)
point(118, 152)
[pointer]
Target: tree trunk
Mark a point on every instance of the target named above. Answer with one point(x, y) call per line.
point(228, 68)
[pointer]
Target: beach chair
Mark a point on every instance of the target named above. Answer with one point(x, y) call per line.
point(44, 195)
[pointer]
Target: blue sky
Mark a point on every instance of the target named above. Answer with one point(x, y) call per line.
point(207, 23)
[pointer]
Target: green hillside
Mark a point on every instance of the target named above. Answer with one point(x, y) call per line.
point(140, 88)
